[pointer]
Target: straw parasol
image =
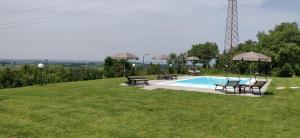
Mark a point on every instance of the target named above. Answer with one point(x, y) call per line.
point(125, 56)
point(161, 57)
point(193, 60)
point(252, 56)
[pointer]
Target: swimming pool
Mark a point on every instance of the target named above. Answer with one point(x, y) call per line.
point(207, 82)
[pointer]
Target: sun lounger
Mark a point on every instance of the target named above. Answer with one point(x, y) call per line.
point(257, 85)
point(137, 77)
point(244, 86)
point(135, 80)
point(195, 72)
point(167, 77)
point(229, 83)
point(254, 84)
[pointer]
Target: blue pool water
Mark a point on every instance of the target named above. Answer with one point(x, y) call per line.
point(208, 82)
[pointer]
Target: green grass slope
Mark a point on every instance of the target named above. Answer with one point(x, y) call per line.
point(103, 108)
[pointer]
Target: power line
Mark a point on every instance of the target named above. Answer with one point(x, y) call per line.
point(68, 14)
point(75, 15)
point(48, 7)
point(41, 18)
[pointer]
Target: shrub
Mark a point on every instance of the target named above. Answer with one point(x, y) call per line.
point(275, 72)
point(29, 75)
point(171, 70)
point(18, 83)
point(153, 69)
point(182, 69)
point(297, 70)
point(286, 71)
point(115, 68)
point(212, 71)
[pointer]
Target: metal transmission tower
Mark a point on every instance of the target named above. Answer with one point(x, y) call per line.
point(232, 29)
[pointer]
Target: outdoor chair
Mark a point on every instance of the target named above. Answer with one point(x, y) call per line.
point(229, 83)
point(166, 77)
point(195, 72)
point(244, 86)
point(135, 80)
point(258, 85)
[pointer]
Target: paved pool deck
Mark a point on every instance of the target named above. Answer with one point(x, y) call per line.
point(165, 84)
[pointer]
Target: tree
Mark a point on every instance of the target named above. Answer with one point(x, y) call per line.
point(249, 46)
point(109, 67)
point(153, 69)
point(281, 34)
point(282, 44)
point(178, 63)
point(181, 64)
point(8, 78)
point(115, 68)
point(286, 71)
point(289, 53)
point(172, 59)
point(205, 52)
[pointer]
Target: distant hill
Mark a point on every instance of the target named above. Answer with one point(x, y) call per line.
point(36, 61)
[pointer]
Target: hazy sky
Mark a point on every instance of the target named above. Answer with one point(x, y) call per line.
point(94, 29)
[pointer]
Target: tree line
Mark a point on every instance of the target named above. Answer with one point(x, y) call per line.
point(281, 44)
point(118, 68)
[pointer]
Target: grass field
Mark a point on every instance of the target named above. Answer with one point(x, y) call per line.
point(103, 108)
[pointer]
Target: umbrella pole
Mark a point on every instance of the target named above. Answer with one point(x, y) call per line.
point(124, 69)
point(160, 70)
point(250, 74)
point(250, 69)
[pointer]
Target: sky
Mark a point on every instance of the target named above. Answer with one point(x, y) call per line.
point(95, 29)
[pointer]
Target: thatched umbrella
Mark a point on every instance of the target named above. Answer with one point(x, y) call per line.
point(252, 56)
point(161, 57)
point(193, 60)
point(126, 57)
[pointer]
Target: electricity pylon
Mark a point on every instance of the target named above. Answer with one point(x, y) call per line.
point(232, 26)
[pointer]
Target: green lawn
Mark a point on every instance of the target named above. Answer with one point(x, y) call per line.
point(103, 108)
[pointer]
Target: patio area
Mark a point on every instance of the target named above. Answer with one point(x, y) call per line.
point(171, 84)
